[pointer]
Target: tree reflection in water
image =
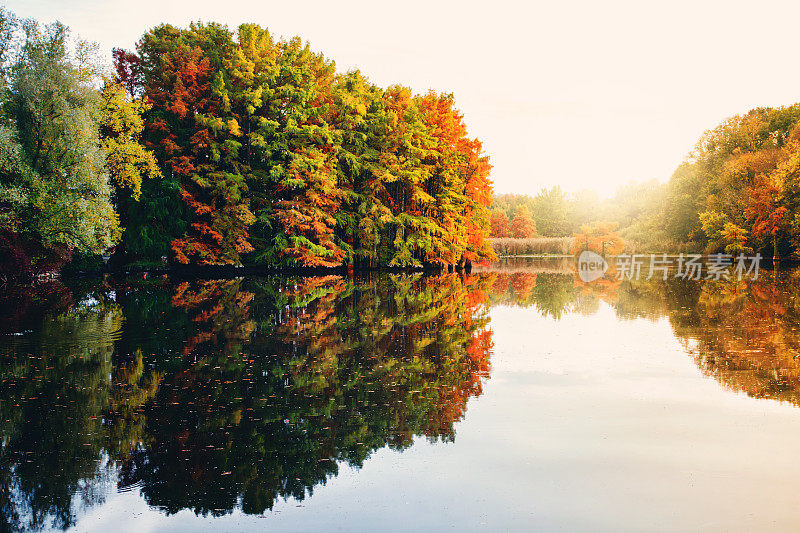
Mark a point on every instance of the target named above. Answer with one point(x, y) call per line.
point(743, 333)
point(213, 395)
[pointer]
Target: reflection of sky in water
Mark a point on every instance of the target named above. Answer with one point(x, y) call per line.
point(588, 422)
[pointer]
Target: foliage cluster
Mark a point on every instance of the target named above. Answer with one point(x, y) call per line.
point(207, 146)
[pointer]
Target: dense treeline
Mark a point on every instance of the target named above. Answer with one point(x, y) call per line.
point(556, 213)
point(737, 192)
point(740, 189)
point(207, 146)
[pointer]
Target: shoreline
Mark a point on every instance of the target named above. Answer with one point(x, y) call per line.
point(232, 271)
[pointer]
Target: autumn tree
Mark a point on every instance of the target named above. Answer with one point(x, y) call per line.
point(479, 192)
point(407, 161)
point(128, 72)
point(459, 185)
point(216, 147)
point(281, 90)
point(185, 129)
point(550, 208)
point(360, 118)
point(722, 234)
point(732, 178)
point(599, 237)
point(121, 125)
point(500, 224)
point(764, 208)
point(523, 225)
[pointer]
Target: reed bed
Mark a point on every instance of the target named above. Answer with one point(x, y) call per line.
point(533, 246)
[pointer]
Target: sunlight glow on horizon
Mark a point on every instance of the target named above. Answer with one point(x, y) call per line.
point(578, 94)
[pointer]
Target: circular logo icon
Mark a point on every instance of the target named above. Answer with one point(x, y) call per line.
point(591, 266)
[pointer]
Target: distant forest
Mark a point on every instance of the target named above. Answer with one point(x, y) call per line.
point(737, 192)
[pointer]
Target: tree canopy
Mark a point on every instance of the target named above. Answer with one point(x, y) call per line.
point(55, 194)
point(207, 146)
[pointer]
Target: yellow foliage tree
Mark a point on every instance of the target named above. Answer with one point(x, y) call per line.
point(121, 126)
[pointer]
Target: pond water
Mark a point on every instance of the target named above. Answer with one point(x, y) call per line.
point(513, 398)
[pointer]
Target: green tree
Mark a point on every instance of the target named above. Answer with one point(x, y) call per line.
point(550, 208)
point(54, 186)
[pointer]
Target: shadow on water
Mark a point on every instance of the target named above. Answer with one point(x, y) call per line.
point(215, 395)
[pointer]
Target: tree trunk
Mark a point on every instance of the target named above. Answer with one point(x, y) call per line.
point(775, 256)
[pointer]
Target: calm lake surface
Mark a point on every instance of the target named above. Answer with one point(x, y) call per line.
point(515, 398)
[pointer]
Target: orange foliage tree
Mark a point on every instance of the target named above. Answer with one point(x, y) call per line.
point(764, 208)
point(600, 237)
point(523, 225)
point(500, 224)
point(193, 144)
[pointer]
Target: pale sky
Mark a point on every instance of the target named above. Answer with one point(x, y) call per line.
point(582, 94)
